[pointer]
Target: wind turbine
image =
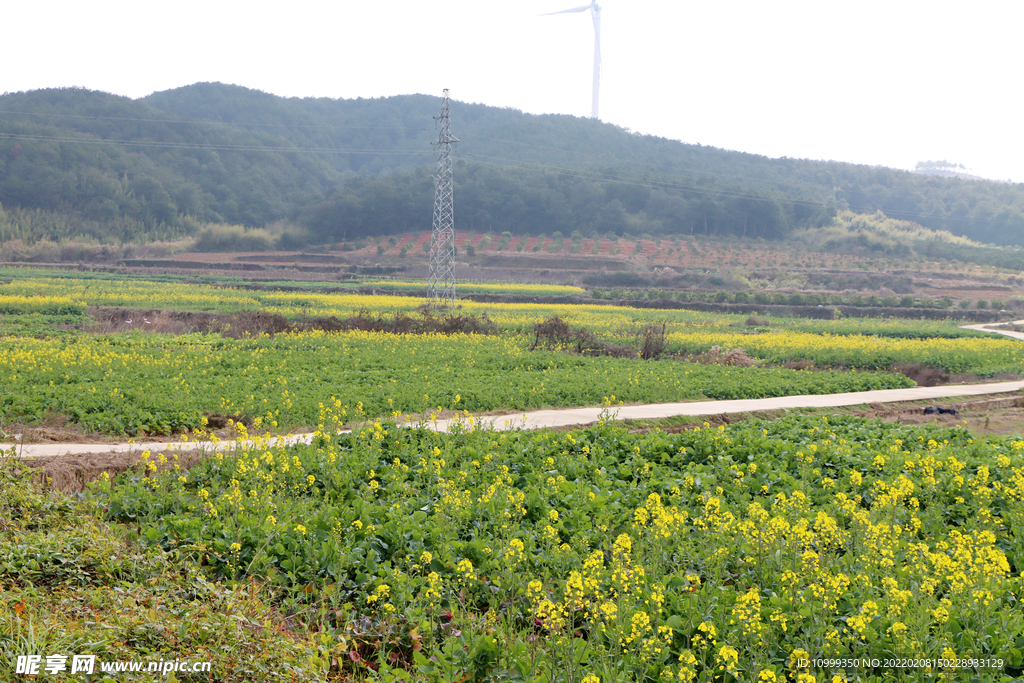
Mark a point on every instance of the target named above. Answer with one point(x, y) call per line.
point(595, 13)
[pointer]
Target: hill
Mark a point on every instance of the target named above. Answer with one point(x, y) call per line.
point(162, 166)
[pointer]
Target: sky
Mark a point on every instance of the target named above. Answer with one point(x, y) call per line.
point(887, 83)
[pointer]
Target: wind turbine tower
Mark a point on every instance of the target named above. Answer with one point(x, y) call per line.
point(595, 14)
point(441, 284)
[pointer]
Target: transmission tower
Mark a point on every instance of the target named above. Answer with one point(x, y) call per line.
point(441, 285)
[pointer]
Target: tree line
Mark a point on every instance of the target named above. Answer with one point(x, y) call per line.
point(215, 153)
point(603, 201)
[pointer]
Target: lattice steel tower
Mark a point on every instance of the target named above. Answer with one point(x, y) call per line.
point(441, 285)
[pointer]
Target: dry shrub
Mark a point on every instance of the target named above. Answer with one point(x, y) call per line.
point(923, 375)
point(254, 323)
point(458, 323)
point(717, 355)
point(651, 341)
point(555, 333)
point(244, 323)
point(757, 322)
point(218, 421)
point(428, 322)
point(799, 365)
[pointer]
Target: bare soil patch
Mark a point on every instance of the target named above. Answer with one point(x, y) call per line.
point(924, 375)
point(72, 473)
point(55, 428)
point(1002, 416)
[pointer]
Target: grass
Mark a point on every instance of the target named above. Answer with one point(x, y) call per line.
point(76, 584)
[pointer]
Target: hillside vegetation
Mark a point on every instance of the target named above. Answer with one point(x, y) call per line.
point(164, 166)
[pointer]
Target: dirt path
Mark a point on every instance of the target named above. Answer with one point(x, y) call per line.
point(540, 419)
point(993, 328)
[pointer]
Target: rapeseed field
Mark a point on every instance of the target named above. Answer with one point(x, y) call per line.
point(809, 548)
point(133, 382)
point(804, 549)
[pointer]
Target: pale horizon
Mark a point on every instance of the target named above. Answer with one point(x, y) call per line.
point(877, 83)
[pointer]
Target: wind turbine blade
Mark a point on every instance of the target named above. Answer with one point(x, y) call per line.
point(566, 11)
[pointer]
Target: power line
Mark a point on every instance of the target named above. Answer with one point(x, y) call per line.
point(484, 137)
point(675, 169)
point(510, 163)
point(213, 146)
point(571, 172)
point(324, 150)
point(203, 121)
point(646, 163)
point(658, 185)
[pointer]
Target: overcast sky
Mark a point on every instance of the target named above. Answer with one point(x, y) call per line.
point(888, 82)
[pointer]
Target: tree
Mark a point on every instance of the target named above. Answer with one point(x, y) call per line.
point(612, 218)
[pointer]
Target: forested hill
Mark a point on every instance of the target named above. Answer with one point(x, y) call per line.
point(345, 168)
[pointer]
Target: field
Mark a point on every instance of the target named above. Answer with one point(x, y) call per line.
point(712, 554)
point(129, 379)
point(813, 547)
point(157, 386)
point(862, 260)
point(868, 264)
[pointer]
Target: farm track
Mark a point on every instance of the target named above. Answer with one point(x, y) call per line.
point(565, 417)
